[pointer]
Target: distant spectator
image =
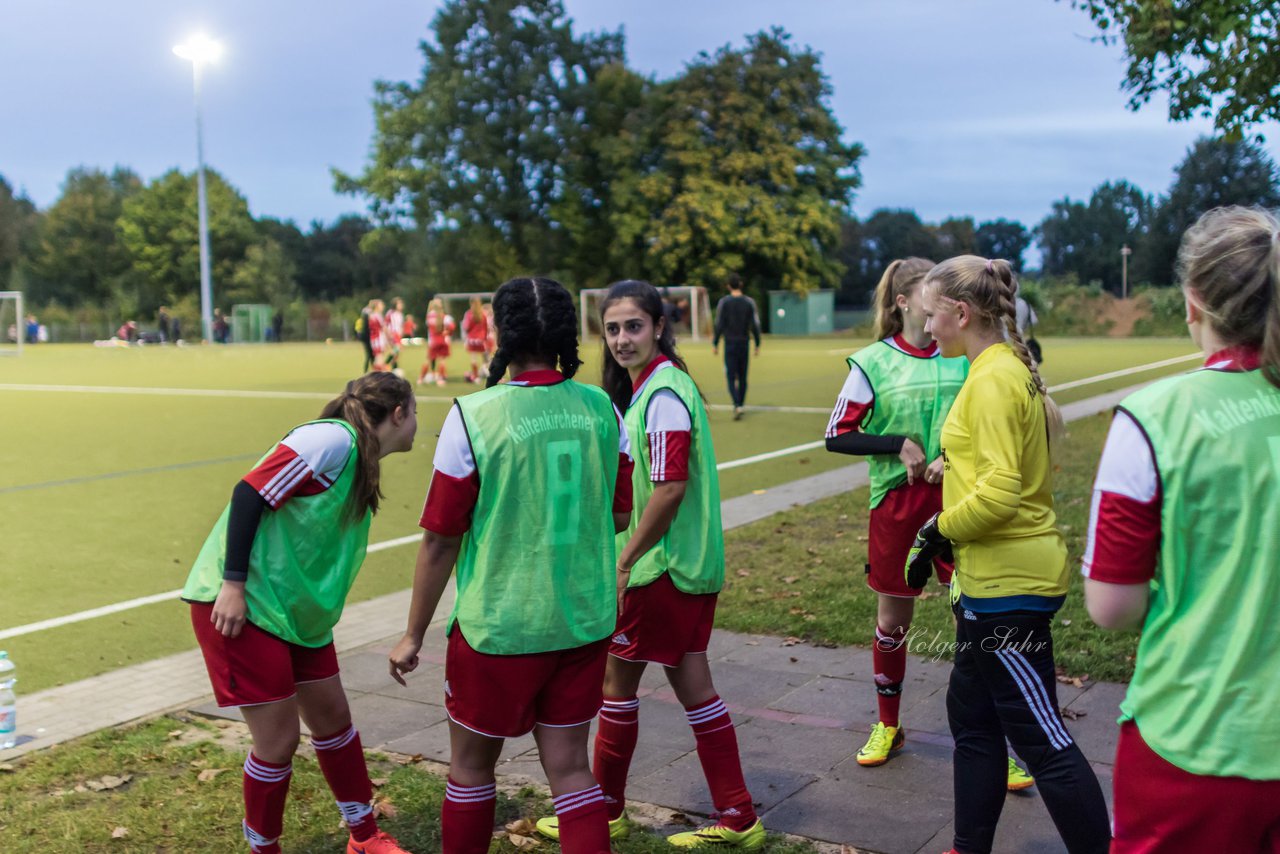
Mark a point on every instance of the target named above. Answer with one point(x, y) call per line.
point(176, 328)
point(162, 323)
point(277, 326)
point(221, 329)
point(737, 321)
point(33, 329)
point(128, 332)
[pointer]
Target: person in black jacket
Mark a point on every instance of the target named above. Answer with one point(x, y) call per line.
point(737, 321)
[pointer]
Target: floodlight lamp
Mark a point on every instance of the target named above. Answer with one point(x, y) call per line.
point(198, 49)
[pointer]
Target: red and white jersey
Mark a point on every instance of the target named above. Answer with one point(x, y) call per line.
point(857, 396)
point(1124, 520)
point(439, 329)
point(377, 327)
point(395, 327)
point(475, 328)
point(455, 483)
point(668, 426)
point(306, 462)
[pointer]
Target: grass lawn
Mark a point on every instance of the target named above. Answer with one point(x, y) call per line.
point(173, 784)
point(109, 495)
point(800, 574)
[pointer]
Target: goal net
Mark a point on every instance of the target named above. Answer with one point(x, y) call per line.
point(13, 324)
point(456, 305)
point(690, 310)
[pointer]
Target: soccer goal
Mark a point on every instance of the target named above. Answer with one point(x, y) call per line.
point(12, 323)
point(692, 311)
point(456, 305)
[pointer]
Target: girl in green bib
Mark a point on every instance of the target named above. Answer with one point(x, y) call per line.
point(269, 585)
point(531, 483)
point(1184, 541)
point(670, 568)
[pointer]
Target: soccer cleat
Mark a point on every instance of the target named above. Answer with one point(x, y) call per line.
point(884, 740)
point(737, 413)
point(380, 843)
point(717, 835)
point(550, 827)
point(1019, 779)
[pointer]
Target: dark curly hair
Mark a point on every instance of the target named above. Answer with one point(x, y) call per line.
point(535, 317)
point(616, 380)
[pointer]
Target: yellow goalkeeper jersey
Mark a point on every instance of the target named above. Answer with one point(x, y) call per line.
point(997, 491)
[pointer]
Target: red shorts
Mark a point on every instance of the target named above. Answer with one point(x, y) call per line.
point(438, 351)
point(504, 696)
point(256, 667)
point(477, 345)
point(662, 624)
point(894, 524)
point(1161, 809)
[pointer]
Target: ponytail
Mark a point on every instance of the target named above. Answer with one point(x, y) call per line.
point(1007, 289)
point(900, 279)
point(365, 403)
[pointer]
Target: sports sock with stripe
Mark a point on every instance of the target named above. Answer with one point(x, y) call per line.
point(266, 786)
point(889, 655)
point(616, 735)
point(584, 825)
point(466, 818)
point(718, 752)
point(342, 762)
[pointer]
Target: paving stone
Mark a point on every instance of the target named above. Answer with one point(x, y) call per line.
point(383, 719)
point(425, 685)
point(843, 701)
point(1097, 732)
point(768, 653)
point(924, 709)
point(845, 810)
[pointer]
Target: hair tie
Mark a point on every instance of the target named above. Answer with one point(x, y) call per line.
point(989, 268)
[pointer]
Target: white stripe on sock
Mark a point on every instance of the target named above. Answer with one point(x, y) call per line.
point(337, 742)
point(711, 712)
point(255, 769)
point(577, 800)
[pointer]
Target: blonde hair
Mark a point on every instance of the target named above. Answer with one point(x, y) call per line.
point(437, 305)
point(900, 279)
point(1230, 259)
point(990, 289)
point(477, 308)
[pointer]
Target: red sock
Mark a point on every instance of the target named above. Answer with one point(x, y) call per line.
point(718, 753)
point(890, 658)
point(584, 824)
point(466, 818)
point(342, 762)
point(266, 785)
point(615, 744)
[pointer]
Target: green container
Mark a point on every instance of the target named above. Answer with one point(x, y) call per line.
point(791, 313)
point(250, 322)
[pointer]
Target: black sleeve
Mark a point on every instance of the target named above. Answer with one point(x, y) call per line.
point(755, 322)
point(242, 526)
point(864, 444)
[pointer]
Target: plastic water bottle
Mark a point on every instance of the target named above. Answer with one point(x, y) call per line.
point(8, 703)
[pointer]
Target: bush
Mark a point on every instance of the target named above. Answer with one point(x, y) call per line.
point(1065, 307)
point(1165, 311)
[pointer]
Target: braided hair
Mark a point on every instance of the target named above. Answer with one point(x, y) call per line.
point(365, 403)
point(535, 317)
point(990, 289)
point(616, 380)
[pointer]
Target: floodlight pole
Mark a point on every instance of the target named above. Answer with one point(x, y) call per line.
point(1125, 252)
point(206, 276)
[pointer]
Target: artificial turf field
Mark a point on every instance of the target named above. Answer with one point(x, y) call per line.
point(107, 491)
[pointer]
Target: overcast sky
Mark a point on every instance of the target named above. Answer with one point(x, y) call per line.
point(987, 108)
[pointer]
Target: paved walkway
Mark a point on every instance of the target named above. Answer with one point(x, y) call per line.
point(802, 713)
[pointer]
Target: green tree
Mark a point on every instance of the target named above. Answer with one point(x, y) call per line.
point(888, 235)
point(1214, 173)
point(492, 140)
point(1085, 239)
point(954, 236)
point(266, 275)
point(19, 234)
point(1213, 59)
point(749, 174)
point(81, 257)
point(159, 226)
point(1002, 238)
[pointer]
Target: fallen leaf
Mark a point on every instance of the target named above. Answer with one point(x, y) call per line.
point(790, 579)
point(383, 807)
point(1072, 714)
point(680, 818)
point(810, 617)
point(522, 826)
point(848, 849)
point(794, 659)
point(522, 843)
point(795, 612)
point(108, 781)
point(410, 760)
point(743, 573)
point(6, 768)
point(844, 516)
point(811, 550)
point(791, 641)
point(379, 781)
point(751, 643)
point(120, 833)
point(175, 733)
point(817, 561)
point(209, 774)
point(759, 491)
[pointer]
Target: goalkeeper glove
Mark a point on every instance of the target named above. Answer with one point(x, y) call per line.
point(929, 544)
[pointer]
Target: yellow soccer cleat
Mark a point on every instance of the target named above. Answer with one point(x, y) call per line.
point(717, 835)
point(550, 827)
point(1019, 779)
point(883, 741)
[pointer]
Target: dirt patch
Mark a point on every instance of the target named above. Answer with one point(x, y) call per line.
point(1123, 315)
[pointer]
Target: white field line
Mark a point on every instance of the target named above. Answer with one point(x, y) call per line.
point(30, 628)
point(191, 392)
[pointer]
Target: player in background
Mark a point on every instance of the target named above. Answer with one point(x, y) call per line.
point(491, 339)
point(891, 410)
point(378, 334)
point(1010, 573)
point(395, 333)
point(410, 327)
point(475, 332)
point(532, 481)
point(1183, 542)
point(670, 569)
point(439, 328)
point(269, 585)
